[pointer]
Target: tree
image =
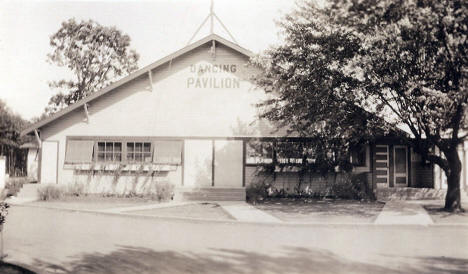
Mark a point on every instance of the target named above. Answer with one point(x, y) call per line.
point(403, 62)
point(94, 54)
point(10, 127)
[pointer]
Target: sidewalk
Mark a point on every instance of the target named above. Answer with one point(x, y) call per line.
point(403, 213)
point(244, 212)
point(240, 211)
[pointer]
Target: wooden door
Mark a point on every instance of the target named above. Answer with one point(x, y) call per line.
point(382, 165)
point(49, 162)
point(228, 164)
point(198, 163)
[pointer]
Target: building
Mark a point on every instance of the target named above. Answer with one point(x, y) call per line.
point(190, 119)
point(32, 160)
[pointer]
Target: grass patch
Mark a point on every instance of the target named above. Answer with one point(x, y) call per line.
point(14, 184)
point(197, 211)
point(326, 211)
point(50, 192)
point(94, 202)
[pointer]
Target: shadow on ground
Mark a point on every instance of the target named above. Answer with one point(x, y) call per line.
point(439, 215)
point(293, 260)
point(322, 208)
point(7, 268)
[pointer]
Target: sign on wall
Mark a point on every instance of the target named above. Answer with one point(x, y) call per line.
point(213, 76)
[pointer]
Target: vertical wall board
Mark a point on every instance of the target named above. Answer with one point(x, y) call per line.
point(243, 161)
point(228, 163)
point(49, 162)
point(198, 163)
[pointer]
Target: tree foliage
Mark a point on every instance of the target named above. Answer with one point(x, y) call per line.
point(11, 125)
point(94, 54)
point(350, 65)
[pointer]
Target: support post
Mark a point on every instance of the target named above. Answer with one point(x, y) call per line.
point(212, 16)
point(213, 49)
point(39, 142)
point(150, 80)
point(225, 28)
point(85, 107)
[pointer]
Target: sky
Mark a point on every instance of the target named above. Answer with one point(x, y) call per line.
point(157, 28)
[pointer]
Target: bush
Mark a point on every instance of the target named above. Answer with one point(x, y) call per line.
point(346, 186)
point(353, 186)
point(76, 190)
point(14, 185)
point(50, 192)
point(257, 192)
point(3, 213)
point(164, 191)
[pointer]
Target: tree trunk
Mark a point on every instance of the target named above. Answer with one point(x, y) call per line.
point(452, 199)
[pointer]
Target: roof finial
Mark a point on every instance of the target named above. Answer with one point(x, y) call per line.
point(212, 15)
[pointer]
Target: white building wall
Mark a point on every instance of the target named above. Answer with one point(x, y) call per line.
point(172, 107)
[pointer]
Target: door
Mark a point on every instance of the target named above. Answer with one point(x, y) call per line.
point(400, 162)
point(198, 163)
point(381, 165)
point(228, 164)
point(49, 162)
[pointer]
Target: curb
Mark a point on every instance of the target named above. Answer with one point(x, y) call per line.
point(237, 222)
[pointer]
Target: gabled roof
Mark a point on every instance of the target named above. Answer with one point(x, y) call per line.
point(133, 75)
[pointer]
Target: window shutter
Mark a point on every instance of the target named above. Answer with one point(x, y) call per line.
point(167, 152)
point(79, 151)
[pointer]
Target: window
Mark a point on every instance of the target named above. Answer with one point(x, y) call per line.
point(289, 152)
point(358, 156)
point(109, 152)
point(139, 152)
point(167, 152)
point(79, 151)
point(283, 153)
point(259, 152)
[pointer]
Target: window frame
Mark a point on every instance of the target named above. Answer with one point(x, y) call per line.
point(366, 165)
point(262, 162)
point(360, 150)
point(143, 154)
point(303, 144)
point(105, 152)
point(149, 141)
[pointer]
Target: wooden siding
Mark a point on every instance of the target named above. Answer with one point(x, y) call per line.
point(169, 108)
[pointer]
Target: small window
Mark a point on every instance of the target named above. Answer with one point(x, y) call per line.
point(259, 152)
point(139, 152)
point(109, 152)
point(289, 153)
point(358, 156)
